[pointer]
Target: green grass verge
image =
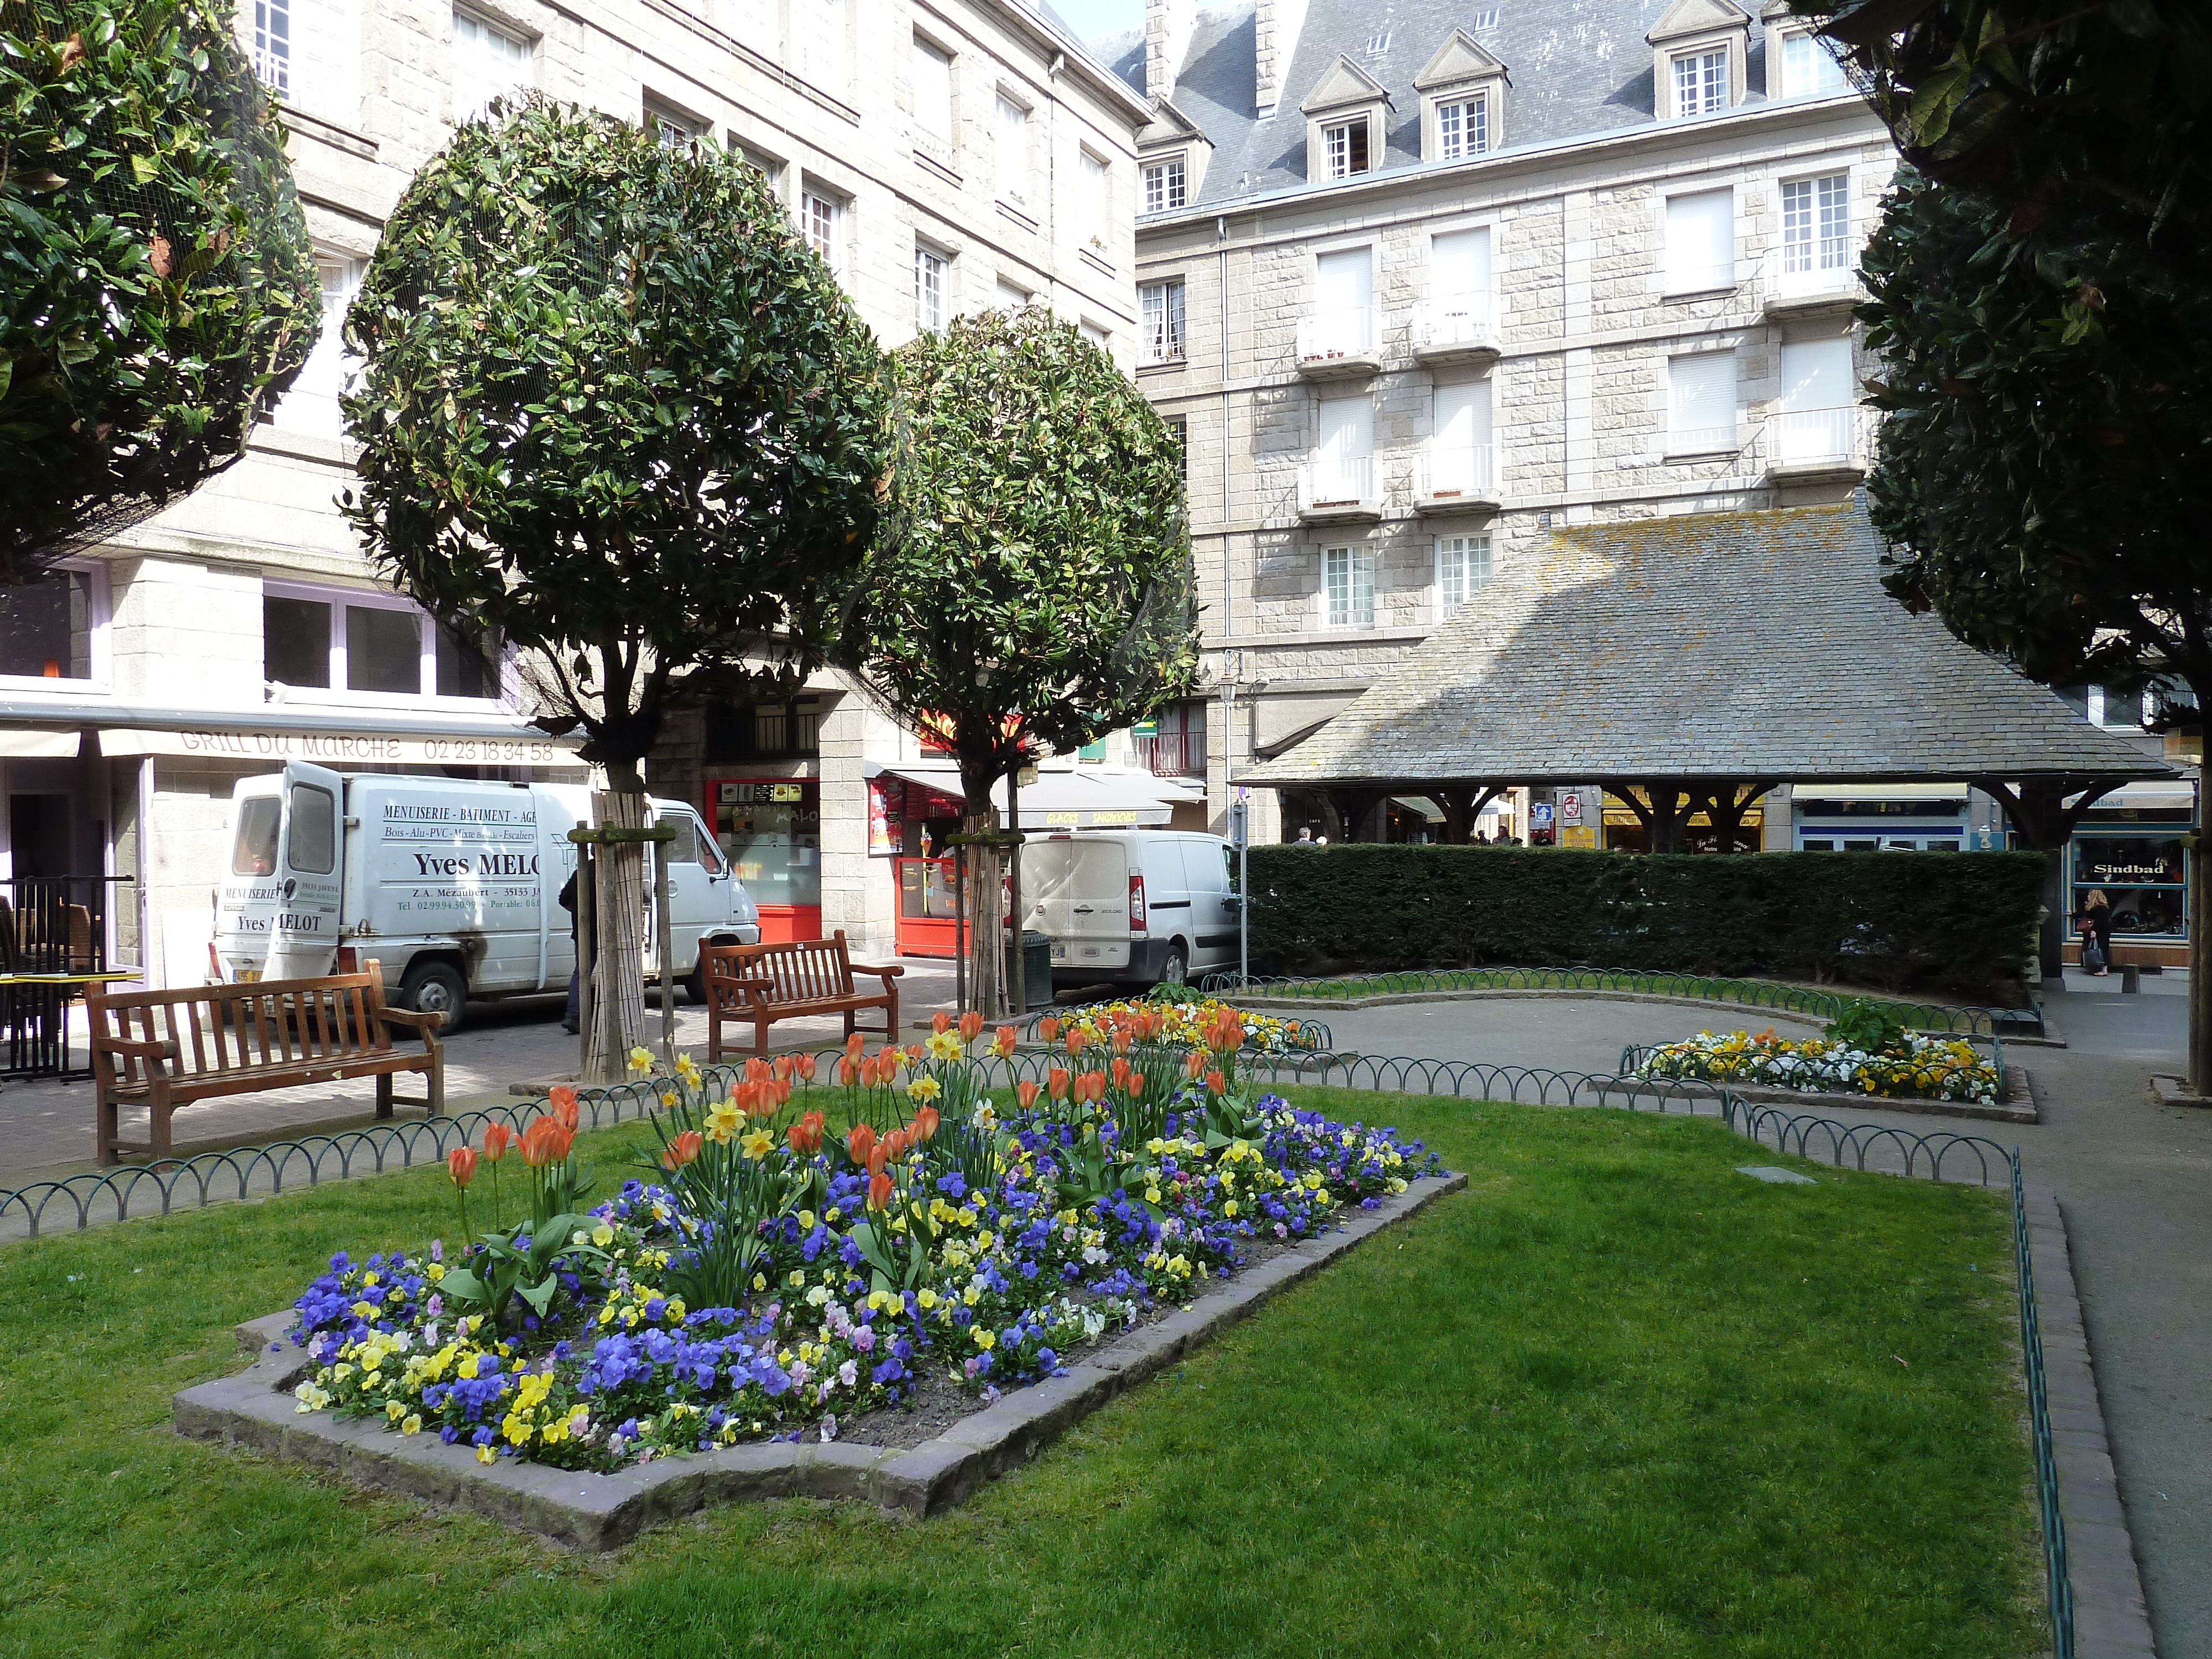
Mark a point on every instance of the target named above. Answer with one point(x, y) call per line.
point(1613, 1400)
point(1782, 995)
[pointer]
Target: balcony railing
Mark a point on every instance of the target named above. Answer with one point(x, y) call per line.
point(1692, 277)
point(1346, 333)
point(1453, 472)
point(1337, 485)
point(1817, 438)
point(1820, 272)
point(1465, 326)
point(1173, 754)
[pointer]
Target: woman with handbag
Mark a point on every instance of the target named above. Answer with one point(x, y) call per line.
point(2096, 924)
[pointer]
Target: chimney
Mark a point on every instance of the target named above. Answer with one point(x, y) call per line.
point(1276, 25)
point(1168, 24)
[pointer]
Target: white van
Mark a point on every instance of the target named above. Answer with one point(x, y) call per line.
point(1132, 906)
point(452, 884)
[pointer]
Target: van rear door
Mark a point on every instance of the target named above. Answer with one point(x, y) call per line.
point(1081, 890)
point(303, 935)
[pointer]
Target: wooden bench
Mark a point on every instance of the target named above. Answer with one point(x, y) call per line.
point(765, 983)
point(168, 1048)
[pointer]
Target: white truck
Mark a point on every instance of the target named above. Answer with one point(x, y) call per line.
point(452, 885)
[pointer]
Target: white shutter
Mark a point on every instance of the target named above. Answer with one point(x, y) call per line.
point(326, 60)
point(1459, 266)
point(1816, 374)
point(1463, 416)
point(1700, 241)
point(1347, 429)
point(933, 92)
point(1344, 282)
point(1702, 401)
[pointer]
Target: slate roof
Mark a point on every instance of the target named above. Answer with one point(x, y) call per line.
point(1576, 68)
point(1726, 645)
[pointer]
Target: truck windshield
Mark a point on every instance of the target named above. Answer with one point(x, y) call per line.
point(254, 853)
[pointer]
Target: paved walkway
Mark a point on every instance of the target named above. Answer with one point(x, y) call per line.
point(2134, 1178)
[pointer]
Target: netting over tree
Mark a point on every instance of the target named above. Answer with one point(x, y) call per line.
point(157, 287)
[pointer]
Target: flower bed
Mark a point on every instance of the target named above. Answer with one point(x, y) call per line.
point(1189, 1025)
point(1911, 1064)
point(800, 1251)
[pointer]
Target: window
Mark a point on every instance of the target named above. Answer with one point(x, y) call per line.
point(1701, 81)
point(763, 165)
point(1459, 269)
point(488, 63)
point(1378, 44)
point(674, 131)
point(933, 93)
point(46, 626)
point(1179, 429)
point(1816, 224)
point(1462, 566)
point(1097, 210)
point(1343, 466)
point(1015, 166)
point(1809, 69)
point(1701, 404)
point(1462, 128)
point(1344, 145)
point(1161, 304)
point(1817, 422)
point(1164, 186)
point(1348, 586)
point(1459, 450)
point(254, 852)
point(272, 45)
point(1101, 336)
point(1012, 297)
point(314, 847)
point(822, 221)
point(1700, 242)
point(320, 642)
point(312, 404)
point(1485, 17)
point(1344, 292)
point(928, 290)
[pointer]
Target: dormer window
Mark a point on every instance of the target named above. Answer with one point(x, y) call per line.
point(1701, 81)
point(1462, 128)
point(1698, 50)
point(1164, 185)
point(1809, 69)
point(1345, 142)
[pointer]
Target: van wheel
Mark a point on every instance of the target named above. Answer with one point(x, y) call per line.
point(694, 986)
point(1176, 969)
point(436, 988)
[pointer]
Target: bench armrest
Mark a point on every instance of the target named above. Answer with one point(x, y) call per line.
point(409, 1019)
point(890, 973)
point(139, 1047)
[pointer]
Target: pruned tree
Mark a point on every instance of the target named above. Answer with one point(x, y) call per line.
point(156, 283)
point(1038, 591)
point(613, 411)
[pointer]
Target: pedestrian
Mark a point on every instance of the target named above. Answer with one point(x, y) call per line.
point(2096, 924)
point(1305, 835)
point(570, 1020)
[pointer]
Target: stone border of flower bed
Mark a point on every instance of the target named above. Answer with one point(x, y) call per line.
point(2020, 1106)
point(255, 1409)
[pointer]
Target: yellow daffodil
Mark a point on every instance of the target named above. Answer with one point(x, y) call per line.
point(756, 1144)
point(924, 1088)
point(723, 1118)
point(945, 1045)
point(640, 1061)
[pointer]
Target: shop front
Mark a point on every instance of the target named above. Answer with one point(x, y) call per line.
point(770, 830)
point(2132, 849)
point(1880, 817)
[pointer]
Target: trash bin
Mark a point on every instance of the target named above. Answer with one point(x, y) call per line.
point(1036, 969)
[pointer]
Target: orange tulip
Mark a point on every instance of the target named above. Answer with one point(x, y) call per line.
point(911, 1052)
point(1005, 1040)
point(1193, 1063)
point(1055, 1083)
point(1047, 1030)
point(563, 1101)
point(1077, 1040)
point(860, 1142)
point(782, 1069)
point(1135, 1085)
point(683, 1149)
point(461, 1165)
point(1122, 1041)
point(1091, 1085)
point(1217, 1084)
point(971, 1026)
point(1121, 1072)
point(894, 1146)
point(879, 1158)
point(546, 1142)
point(880, 1191)
point(755, 1069)
point(1026, 1092)
point(848, 1070)
point(925, 1123)
point(855, 1044)
point(940, 1023)
point(802, 1138)
point(495, 1141)
point(805, 1067)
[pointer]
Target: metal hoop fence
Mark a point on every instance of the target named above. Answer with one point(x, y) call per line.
point(1703, 988)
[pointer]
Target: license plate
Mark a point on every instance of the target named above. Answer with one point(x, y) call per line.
point(1060, 953)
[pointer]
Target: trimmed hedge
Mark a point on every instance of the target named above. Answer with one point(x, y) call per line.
point(1963, 922)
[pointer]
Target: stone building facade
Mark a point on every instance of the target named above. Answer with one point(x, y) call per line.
point(1420, 288)
point(943, 155)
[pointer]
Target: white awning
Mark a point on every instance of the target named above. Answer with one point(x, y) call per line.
point(1879, 790)
point(38, 745)
point(342, 748)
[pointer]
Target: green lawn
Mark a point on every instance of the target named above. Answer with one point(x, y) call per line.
point(1614, 1399)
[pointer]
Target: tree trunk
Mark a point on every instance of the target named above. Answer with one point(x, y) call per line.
point(985, 903)
point(618, 964)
